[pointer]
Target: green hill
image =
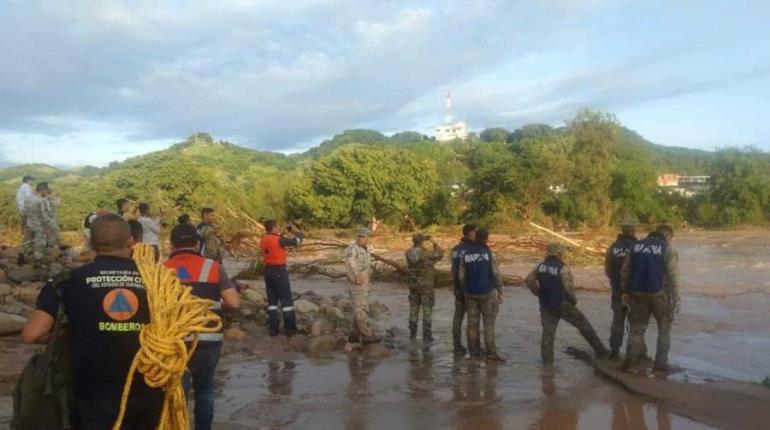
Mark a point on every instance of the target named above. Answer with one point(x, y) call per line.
point(407, 177)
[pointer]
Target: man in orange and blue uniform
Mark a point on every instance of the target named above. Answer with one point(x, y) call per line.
point(273, 246)
point(209, 281)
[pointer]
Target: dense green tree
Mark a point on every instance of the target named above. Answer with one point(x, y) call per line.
point(740, 187)
point(494, 135)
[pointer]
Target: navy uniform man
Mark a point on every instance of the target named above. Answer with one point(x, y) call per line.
point(469, 235)
point(482, 284)
point(650, 287)
point(551, 281)
point(613, 261)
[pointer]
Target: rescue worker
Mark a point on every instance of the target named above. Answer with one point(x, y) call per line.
point(42, 229)
point(421, 260)
point(22, 194)
point(482, 285)
point(211, 245)
point(208, 280)
point(551, 281)
point(650, 287)
point(613, 261)
point(273, 247)
point(358, 262)
point(469, 235)
point(106, 307)
point(150, 228)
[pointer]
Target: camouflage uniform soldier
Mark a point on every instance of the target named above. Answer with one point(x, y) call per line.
point(613, 261)
point(358, 262)
point(41, 223)
point(482, 284)
point(52, 207)
point(421, 260)
point(211, 245)
point(649, 283)
point(551, 281)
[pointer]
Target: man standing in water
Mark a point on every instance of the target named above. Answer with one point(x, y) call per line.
point(551, 282)
point(421, 260)
point(482, 284)
point(650, 287)
point(358, 262)
point(613, 261)
point(469, 235)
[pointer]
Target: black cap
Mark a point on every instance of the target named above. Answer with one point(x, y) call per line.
point(183, 234)
point(27, 178)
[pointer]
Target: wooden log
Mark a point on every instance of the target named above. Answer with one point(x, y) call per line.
point(553, 233)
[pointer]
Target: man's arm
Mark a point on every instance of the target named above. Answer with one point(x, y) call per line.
point(625, 275)
point(286, 242)
point(498, 278)
point(608, 263)
point(531, 282)
point(670, 263)
point(40, 322)
point(437, 253)
point(569, 285)
point(228, 291)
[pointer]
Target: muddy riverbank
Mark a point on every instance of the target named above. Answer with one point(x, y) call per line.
point(722, 333)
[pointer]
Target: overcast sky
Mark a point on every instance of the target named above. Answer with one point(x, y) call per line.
point(88, 82)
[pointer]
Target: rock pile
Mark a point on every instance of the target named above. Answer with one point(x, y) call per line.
point(21, 283)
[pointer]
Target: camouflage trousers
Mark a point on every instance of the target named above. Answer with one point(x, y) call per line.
point(424, 301)
point(568, 312)
point(359, 294)
point(642, 306)
point(457, 321)
point(37, 239)
point(618, 327)
point(481, 308)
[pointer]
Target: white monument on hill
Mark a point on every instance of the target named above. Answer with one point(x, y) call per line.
point(450, 130)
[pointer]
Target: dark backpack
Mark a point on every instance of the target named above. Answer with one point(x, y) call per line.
point(43, 398)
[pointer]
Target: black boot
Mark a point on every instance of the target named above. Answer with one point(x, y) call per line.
point(427, 333)
point(412, 331)
point(272, 316)
point(290, 323)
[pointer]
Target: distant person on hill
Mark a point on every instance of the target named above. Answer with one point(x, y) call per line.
point(211, 245)
point(650, 287)
point(151, 228)
point(22, 194)
point(128, 209)
point(42, 228)
point(421, 261)
point(87, 221)
point(469, 235)
point(273, 247)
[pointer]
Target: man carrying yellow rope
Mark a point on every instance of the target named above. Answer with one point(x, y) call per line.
point(124, 318)
point(106, 306)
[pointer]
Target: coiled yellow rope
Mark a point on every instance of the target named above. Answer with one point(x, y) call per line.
point(163, 355)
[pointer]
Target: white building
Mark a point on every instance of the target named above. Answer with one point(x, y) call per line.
point(450, 130)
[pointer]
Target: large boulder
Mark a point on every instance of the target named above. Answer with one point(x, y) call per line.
point(5, 291)
point(332, 314)
point(16, 308)
point(256, 297)
point(303, 306)
point(321, 346)
point(25, 273)
point(298, 342)
point(27, 294)
point(10, 323)
point(317, 328)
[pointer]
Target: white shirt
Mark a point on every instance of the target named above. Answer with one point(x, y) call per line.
point(24, 192)
point(150, 230)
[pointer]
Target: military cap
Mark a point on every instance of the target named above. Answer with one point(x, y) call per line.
point(363, 232)
point(555, 248)
point(418, 237)
point(629, 222)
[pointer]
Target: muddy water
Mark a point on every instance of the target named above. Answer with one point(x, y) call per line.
point(723, 331)
point(424, 386)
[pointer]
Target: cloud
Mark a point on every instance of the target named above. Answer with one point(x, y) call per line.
point(276, 75)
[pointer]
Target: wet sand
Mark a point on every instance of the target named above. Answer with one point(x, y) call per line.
point(722, 333)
